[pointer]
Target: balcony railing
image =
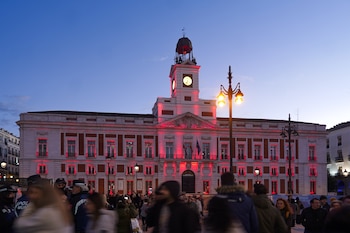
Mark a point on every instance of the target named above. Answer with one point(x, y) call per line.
point(41, 154)
point(274, 158)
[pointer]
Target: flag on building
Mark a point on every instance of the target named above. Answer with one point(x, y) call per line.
point(198, 148)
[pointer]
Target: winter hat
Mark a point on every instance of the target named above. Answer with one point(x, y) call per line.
point(260, 189)
point(227, 179)
point(173, 187)
point(32, 179)
point(60, 181)
point(81, 184)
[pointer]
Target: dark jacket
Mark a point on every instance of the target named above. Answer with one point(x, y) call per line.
point(270, 218)
point(313, 219)
point(7, 217)
point(80, 216)
point(242, 207)
point(125, 213)
point(181, 220)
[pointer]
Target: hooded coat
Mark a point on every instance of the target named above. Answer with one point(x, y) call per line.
point(270, 218)
point(242, 206)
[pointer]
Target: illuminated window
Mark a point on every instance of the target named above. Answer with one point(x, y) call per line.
point(42, 169)
point(71, 148)
point(130, 186)
point(169, 150)
point(206, 186)
point(224, 170)
point(129, 149)
point(148, 171)
point(224, 151)
point(91, 150)
point(148, 150)
point(71, 170)
point(312, 187)
point(241, 182)
point(273, 153)
point(241, 171)
point(91, 170)
point(110, 170)
point(273, 187)
point(148, 184)
point(110, 149)
point(274, 171)
point(313, 171)
point(42, 147)
point(188, 150)
point(206, 151)
point(312, 156)
point(130, 170)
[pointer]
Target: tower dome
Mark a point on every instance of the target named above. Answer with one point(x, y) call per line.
point(184, 54)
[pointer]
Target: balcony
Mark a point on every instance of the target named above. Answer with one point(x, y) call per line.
point(41, 154)
point(241, 157)
point(313, 158)
point(258, 157)
point(71, 154)
point(274, 158)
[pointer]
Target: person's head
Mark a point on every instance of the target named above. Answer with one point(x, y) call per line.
point(227, 179)
point(219, 217)
point(41, 193)
point(315, 203)
point(79, 186)
point(335, 204)
point(60, 183)
point(7, 194)
point(169, 191)
point(346, 200)
point(260, 189)
point(323, 200)
point(94, 203)
point(338, 221)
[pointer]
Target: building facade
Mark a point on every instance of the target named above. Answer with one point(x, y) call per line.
point(9, 156)
point(338, 156)
point(182, 140)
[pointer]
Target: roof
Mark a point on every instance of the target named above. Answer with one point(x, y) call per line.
point(110, 114)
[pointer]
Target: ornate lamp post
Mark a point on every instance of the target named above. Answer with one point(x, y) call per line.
point(137, 168)
point(221, 101)
point(288, 131)
point(108, 172)
point(257, 173)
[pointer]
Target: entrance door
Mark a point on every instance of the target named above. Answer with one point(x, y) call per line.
point(188, 182)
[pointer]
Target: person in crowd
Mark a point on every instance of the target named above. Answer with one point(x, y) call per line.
point(7, 210)
point(270, 219)
point(293, 207)
point(169, 214)
point(144, 210)
point(77, 202)
point(45, 211)
point(338, 220)
point(335, 204)
point(313, 217)
point(219, 219)
point(324, 203)
point(100, 219)
point(346, 200)
point(191, 203)
point(299, 208)
point(126, 210)
point(285, 211)
point(241, 206)
point(60, 185)
point(23, 201)
point(199, 205)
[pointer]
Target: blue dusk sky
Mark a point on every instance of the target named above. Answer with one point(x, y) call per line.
point(115, 56)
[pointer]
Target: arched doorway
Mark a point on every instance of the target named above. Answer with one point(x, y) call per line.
point(188, 182)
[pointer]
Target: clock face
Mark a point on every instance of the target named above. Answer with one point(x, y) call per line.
point(187, 80)
point(173, 85)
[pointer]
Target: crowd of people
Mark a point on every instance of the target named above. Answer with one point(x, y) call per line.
point(47, 207)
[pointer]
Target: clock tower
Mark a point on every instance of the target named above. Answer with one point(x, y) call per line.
point(184, 87)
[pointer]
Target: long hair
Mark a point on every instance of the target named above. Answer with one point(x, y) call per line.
point(288, 210)
point(50, 197)
point(99, 204)
point(219, 217)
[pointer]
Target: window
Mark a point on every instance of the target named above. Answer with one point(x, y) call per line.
point(129, 149)
point(130, 186)
point(42, 169)
point(148, 150)
point(110, 149)
point(42, 147)
point(241, 171)
point(130, 170)
point(241, 152)
point(273, 153)
point(92, 184)
point(188, 150)
point(206, 186)
point(329, 158)
point(148, 184)
point(91, 150)
point(339, 157)
point(312, 156)
point(91, 170)
point(206, 151)
point(313, 171)
point(273, 187)
point(312, 187)
point(110, 170)
point(274, 171)
point(257, 152)
point(290, 171)
point(224, 151)
point(148, 171)
point(241, 182)
point(169, 150)
point(71, 148)
point(71, 170)
point(339, 140)
point(224, 170)
point(327, 143)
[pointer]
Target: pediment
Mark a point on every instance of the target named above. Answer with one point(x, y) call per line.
point(187, 121)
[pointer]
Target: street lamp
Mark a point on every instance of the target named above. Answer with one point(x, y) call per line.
point(257, 173)
point(221, 101)
point(288, 131)
point(108, 172)
point(137, 168)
